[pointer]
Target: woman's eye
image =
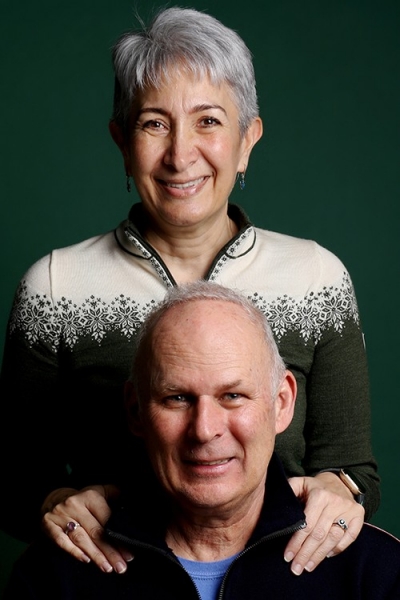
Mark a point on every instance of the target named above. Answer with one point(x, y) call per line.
point(154, 125)
point(209, 121)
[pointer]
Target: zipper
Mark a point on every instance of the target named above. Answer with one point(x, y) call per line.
point(159, 265)
point(288, 530)
point(166, 554)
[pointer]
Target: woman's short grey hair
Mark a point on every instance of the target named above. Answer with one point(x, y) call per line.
point(201, 290)
point(183, 39)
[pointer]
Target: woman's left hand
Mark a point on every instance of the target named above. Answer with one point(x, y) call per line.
point(327, 500)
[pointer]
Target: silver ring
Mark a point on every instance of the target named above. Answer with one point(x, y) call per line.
point(342, 523)
point(71, 526)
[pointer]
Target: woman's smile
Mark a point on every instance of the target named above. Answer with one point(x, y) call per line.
point(183, 189)
point(186, 145)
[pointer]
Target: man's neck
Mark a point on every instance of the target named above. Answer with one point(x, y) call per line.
point(208, 538)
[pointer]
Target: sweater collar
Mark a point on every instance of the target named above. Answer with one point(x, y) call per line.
point(129, 234)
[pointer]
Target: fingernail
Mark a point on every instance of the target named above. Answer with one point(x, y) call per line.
point(128, 556)
point(297, 569)
point(120, 568)
point(289, 556)
point(106, 567)
point(309, 566)
point(85, 558)
point(330, 555)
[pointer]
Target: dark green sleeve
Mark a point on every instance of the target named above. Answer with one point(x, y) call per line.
point(338, 423)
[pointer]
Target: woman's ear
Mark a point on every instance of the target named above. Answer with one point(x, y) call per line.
point(251, 137)
point(119, 137)
point(132, 409)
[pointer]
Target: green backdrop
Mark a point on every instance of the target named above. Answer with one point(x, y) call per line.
point(327, 167)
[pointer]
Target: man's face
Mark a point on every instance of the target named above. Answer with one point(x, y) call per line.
point(210, 421)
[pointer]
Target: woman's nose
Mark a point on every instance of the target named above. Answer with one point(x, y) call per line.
point(181, 150)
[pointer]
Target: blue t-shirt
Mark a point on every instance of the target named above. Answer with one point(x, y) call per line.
point(207, 576)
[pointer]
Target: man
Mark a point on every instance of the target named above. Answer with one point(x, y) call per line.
point(208, 394)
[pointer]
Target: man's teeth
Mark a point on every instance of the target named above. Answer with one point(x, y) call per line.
point(182, 186)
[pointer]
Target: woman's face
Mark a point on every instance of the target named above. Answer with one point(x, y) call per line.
point(185, 150)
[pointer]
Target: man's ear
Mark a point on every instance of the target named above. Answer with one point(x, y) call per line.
point(285, 401)
point(132, 409)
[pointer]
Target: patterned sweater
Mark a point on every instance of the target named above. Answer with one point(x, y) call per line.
point(70, 341)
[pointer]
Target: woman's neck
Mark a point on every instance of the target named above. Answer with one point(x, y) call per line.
point(189, 254)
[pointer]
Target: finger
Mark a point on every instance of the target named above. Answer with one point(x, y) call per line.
point(297, 485)
point(311, 554)
point(85, 542)
point(90, 509)
point(304, 544)
point(320, 511)
point(335, 542)
point(318, 523)
point(59, 537)
point(354, 528)
point(84, 505)
point(90, 539)
point(322, 543)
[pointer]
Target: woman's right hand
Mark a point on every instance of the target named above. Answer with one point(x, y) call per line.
point(89, 510)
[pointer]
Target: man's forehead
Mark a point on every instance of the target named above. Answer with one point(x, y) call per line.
point(206, 337)
point(204, 316)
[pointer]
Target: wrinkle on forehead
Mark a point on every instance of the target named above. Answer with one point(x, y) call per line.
point(209, 336)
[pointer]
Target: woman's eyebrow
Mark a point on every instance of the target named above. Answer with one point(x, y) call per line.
point(193, 110)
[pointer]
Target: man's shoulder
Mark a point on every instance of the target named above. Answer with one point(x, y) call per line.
point(28, 571)
point(45, 571)
point(375, 554)
point(380, 538)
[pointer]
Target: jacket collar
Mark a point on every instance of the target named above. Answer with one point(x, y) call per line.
point(141, 517)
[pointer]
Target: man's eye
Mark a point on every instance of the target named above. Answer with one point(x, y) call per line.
point(176, 400)
point(232, 396)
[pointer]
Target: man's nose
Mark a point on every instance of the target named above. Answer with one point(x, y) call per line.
point(208, 419)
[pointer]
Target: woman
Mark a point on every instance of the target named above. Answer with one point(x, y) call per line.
point(185, 119)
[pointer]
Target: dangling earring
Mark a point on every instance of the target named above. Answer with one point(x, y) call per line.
point(128, 183)
point(242, 183)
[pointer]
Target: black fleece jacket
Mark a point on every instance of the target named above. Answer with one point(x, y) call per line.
point(369, 569)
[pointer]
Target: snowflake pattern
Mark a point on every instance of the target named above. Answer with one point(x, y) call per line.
point(310, 317)
point(66, 322)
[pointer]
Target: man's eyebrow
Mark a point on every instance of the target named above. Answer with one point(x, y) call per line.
point(164, 387)
point(232, 384)
point(170, 388)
